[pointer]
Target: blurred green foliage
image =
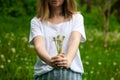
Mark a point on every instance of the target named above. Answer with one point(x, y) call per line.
point(17, 8)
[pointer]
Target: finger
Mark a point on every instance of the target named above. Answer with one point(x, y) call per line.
point(56, 58)
point(62, 62)
point(62, 65)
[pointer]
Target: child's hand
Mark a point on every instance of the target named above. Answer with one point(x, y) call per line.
point(60, 61)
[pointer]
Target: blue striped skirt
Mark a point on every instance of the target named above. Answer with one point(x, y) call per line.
point(60, 74)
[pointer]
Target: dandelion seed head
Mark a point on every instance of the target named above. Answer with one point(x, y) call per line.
point(114, 63)
point(2, 56)
point(81, 46)
point(9, 60)
point(87, 63)
point(85, 78)
point(27, 67)
point(63, 37)
point(19, 67)
point(91, 72)
point(112, 78)
point(12, 34)
point(58, 40)
point(54, 39)
point(87, 57)
point(1, 66)
point(99, 63)
point(13, 50)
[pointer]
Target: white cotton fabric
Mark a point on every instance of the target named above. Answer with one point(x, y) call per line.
point(48, 31)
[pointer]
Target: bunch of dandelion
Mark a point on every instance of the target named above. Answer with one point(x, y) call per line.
point(58, 42)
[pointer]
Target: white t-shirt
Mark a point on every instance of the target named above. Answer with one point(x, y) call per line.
point(48, 31)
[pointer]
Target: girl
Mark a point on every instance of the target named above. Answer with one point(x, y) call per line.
point(56, 18)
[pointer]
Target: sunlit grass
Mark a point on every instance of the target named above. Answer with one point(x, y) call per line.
point(17, 57)
point(101, 64)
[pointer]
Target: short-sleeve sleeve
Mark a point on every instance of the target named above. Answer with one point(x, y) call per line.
point(78, 25)
point(35, 29)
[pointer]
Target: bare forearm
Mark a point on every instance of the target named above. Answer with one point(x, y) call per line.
point(40, 49)
point(73, 46)
point(43, 54)
point(72, 49)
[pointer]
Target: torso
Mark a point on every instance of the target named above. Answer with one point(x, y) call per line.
point(52, 28)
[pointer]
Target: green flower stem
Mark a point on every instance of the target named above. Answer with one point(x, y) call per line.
point(58, 43)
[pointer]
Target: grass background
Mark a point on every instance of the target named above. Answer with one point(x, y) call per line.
point(17, 57)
